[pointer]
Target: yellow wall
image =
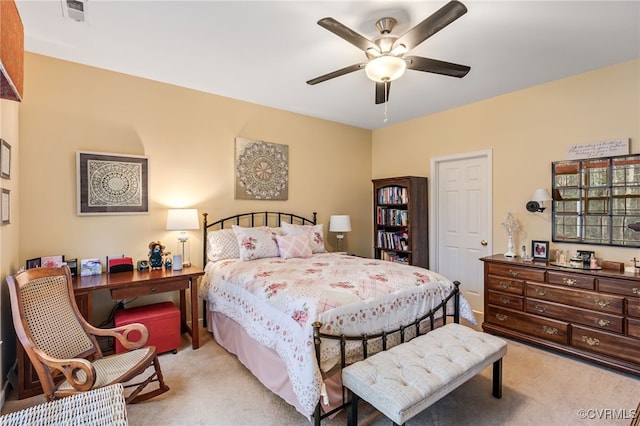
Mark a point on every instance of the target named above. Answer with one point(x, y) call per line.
point(188, 137)
point(526, 130)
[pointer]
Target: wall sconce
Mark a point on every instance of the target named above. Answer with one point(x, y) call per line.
point(340, 224)
point(183, 220)
point(537, 201)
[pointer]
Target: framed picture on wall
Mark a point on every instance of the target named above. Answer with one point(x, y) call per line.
point(5, 159)
point(112, 184)
point(5, 207)
point(540, 250)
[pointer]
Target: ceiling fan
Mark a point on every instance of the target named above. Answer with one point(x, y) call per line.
point(386, 53)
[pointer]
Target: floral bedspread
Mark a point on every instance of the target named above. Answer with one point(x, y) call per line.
point(277, 300)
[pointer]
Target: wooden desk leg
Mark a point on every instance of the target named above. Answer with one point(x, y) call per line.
point(184, 327)
point(195, 330)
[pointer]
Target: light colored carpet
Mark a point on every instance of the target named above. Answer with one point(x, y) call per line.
point(210, 387)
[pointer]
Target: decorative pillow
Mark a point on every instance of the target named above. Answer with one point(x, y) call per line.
point(255, 243)
point(294, 246)
point(314, 232)
point(277, 231)
point(222, 244)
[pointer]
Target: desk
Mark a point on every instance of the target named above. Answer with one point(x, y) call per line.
point(123, 285)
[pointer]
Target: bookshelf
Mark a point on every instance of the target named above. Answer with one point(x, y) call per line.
point(400, 231)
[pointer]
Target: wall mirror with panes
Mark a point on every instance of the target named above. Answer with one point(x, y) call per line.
point(595, 200)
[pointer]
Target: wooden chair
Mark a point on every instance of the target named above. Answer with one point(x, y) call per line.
point(62, 345)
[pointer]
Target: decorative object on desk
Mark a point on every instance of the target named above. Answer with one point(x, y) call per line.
point(33, 263)
point(143, 265)
point(5, 159)
point(5, 205)
point(177, 262)
point(51, 261)
point(119, 264)
point(183, 220)
point(73, 266)
point(523, 254)
point(540, 250)
point(90, 267)
point(511, 227)
point(112, 183)
point(340, 224)
point(156, 251)
point(537, 201)
point(167, 260)
point(262, 170)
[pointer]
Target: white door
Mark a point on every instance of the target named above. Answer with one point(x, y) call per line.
point(461, 220)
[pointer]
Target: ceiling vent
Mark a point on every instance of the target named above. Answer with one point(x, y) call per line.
point(74, 9)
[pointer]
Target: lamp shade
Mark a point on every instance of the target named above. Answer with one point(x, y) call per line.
point(182, 219)
point(541, 195)
point(340, 223)
point(385, 68)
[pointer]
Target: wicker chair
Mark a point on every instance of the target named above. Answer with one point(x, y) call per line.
point(62, 345)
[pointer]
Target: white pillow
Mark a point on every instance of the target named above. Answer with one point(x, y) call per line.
point(294, 246)
point(222, 244)
point(255, 243)
point(314, 232)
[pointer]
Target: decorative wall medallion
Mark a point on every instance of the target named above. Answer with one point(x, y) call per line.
point(112, 184)
point(262, 170)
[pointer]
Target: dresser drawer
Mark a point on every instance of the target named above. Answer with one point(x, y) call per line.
point(505, 285)
point(633, 328)
point(580, 298)
point(575, 315)
point(532, 325)
point(571, 280)
point(633, 307)
point(504, 299)
point(516, 272)
point(147, 289)
point(624, 287)
point(614, 345)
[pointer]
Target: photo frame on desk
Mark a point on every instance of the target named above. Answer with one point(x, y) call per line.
point(111, 184)
point(540, 251)
point(33, 263)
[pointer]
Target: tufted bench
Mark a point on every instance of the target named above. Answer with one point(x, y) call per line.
point(408, 378)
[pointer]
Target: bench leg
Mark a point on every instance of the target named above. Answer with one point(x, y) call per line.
point(497, 379)
point(352, 410)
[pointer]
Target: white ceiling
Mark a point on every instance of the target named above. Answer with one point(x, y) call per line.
point(264, 51)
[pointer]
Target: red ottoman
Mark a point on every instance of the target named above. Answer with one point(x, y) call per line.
point(161, 319)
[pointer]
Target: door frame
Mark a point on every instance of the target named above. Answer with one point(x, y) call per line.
point(434, 226)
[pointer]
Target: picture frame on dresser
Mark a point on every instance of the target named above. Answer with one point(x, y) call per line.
point(540, 250)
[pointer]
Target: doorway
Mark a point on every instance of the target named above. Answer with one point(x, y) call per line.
point(461, 220)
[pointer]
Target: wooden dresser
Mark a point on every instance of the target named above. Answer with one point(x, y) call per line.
point(590, 314)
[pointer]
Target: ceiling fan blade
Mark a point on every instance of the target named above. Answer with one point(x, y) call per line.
point(431, 25)
point(334, 74)
point(348, 34)
point(380, 92)
point(419, 63)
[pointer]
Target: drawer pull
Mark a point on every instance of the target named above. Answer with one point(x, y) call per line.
point(504, 285)
point(602, 303)
point(569, 281)
point(153, 289)
point(549, 330)
point(603, 322)
point(636, 290)
point(540, 292)
point(504, 300)
point(502, 317)
point(541, 309)
point(591, 341)
point(514, 273)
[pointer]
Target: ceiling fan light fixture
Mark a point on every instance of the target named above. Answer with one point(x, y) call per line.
point(385, 68)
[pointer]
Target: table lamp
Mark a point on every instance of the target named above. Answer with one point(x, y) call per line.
point(183, 220)
point(340, 224)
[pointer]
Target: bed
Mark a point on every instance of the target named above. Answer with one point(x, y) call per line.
point(294, 314)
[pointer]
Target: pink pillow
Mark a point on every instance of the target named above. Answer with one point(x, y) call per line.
point(314, 232)
point(294, 246)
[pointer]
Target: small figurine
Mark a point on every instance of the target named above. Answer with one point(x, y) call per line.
point(167, 260)
point(156, 250)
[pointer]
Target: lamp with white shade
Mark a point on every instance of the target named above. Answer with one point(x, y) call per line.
point(183, 220)
point(340, 224)
point(537, 201)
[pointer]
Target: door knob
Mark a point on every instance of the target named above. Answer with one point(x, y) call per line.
point(484, 242)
